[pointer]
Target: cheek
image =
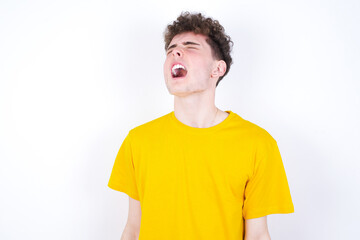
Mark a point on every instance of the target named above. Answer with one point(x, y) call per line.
point(165, 66)
point(204, 70)
point(167, 63)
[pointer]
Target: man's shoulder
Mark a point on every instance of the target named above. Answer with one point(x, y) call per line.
point(151, 127)
point(254, 130)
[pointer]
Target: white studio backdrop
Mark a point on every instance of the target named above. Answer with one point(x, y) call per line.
point(76, 76)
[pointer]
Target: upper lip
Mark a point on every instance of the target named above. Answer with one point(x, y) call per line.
point(175, 63)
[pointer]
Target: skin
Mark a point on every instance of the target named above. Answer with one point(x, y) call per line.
point(257, 229)
point(194, 105)
point(132, 227)
point(194, 95)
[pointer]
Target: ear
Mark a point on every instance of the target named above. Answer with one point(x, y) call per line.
point(219, 70)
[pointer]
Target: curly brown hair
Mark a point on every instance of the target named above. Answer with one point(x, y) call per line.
point(220, 43)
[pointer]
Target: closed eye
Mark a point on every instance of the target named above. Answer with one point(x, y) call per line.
point(189, 47)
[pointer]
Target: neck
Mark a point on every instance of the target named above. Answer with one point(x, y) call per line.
point(198, 111)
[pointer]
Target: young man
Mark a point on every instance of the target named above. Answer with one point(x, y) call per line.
point(199, 172)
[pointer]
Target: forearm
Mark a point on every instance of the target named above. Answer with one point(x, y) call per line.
point(264, 236)
point(129, 233)
point(256, 229)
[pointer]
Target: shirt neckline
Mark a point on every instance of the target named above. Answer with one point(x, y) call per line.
point(195, 130)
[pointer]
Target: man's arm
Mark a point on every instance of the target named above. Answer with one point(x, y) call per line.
point(132, 227)
point(257, 229)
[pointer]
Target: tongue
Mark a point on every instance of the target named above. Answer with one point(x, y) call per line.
point(179, 72)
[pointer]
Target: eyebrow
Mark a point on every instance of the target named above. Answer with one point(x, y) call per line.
point(184, 43)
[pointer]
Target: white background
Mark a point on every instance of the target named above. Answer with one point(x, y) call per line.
point(76, 76)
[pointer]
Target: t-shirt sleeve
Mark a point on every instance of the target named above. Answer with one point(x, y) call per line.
point(122, 176)
point(267, 190)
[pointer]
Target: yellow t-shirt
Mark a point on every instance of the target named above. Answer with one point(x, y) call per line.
point(200, 183)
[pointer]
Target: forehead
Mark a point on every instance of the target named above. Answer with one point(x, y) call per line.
point(189, 36)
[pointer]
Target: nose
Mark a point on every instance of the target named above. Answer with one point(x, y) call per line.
point(177, 52)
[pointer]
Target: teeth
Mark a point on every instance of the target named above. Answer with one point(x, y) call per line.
point(176, 67)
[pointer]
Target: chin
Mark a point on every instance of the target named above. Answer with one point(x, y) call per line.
point(177, 91)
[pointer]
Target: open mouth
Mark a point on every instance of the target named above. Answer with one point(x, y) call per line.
point(178, 71)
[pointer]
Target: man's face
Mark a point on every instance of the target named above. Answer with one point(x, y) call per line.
point(189, 65)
